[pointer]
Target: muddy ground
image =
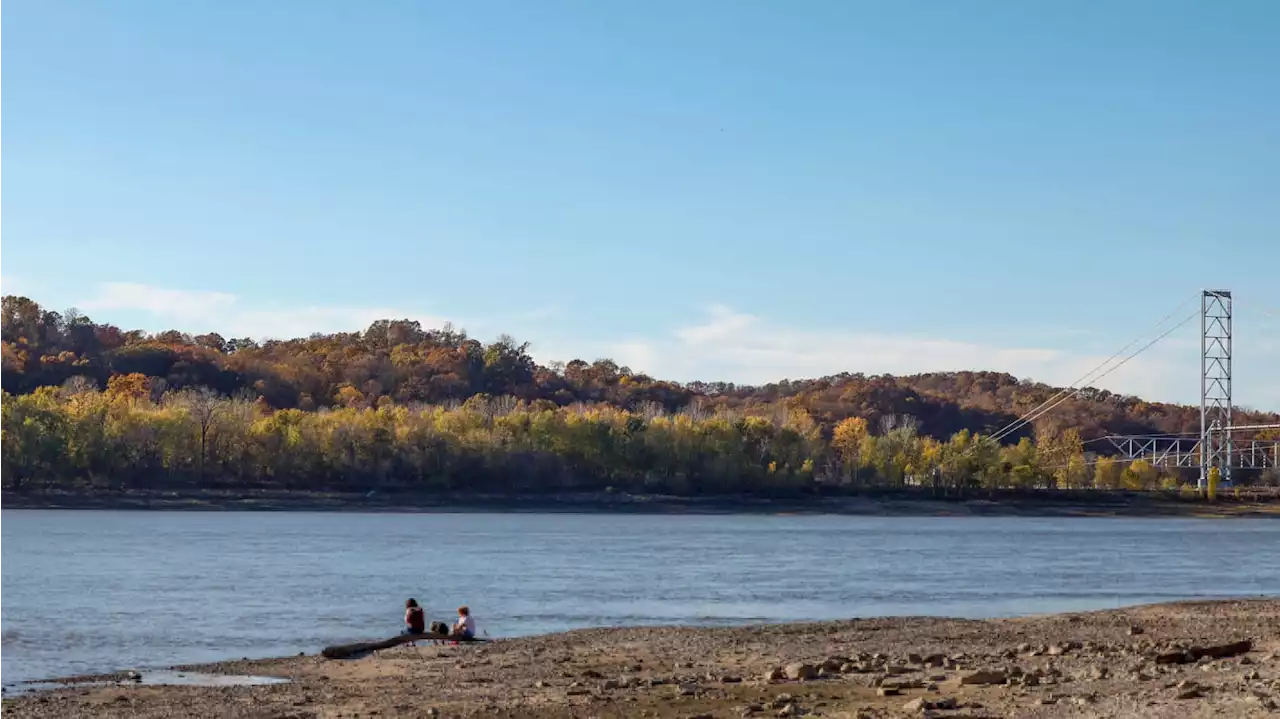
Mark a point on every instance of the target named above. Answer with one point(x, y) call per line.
point(1098, 664)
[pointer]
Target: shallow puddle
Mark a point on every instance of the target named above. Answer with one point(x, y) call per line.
point(200, 679)
point(159, 677)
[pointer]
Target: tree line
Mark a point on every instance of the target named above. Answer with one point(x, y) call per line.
point(82, 439)
point(399, 407)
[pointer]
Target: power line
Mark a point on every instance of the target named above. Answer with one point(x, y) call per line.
point(1089, 377)
point(1029, 418)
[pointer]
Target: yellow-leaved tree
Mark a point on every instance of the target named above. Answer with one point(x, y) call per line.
point(847, 440)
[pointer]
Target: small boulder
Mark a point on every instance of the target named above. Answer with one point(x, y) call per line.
point(800, 671)
point(921, 704)
point(934, 660)
point(888, 692)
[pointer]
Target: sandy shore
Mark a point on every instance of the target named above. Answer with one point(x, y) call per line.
point(1098, 664)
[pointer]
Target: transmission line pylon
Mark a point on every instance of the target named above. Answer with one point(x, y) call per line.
point(1215, 384)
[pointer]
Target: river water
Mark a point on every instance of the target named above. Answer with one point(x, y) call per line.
point(93, 591)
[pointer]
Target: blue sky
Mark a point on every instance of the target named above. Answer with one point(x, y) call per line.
point(731, 189)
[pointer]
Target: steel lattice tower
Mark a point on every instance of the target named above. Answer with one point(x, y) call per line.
point(1215, 384)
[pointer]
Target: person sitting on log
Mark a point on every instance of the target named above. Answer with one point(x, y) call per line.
point(465, 627)
point(414, 618)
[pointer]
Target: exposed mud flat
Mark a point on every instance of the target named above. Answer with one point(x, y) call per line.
point(1123, 663)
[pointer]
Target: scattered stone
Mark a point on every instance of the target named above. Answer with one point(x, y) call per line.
point(918, 704)
point(611, 684)
point(888, 692)
point(774, 675)
point(1188, 689)
point(687, 689)
point(984, 676)
point(541, 684)
point(730, 679)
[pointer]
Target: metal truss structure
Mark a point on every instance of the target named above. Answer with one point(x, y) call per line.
point(1186, 451)
point(1215, 384)
point(1218, 444)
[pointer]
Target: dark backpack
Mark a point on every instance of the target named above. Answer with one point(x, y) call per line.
point(439, 628)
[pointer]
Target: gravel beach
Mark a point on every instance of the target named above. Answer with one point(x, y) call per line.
point(1135, 662)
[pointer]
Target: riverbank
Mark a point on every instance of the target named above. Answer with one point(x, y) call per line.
point(1031, 504)
point(1109, 663)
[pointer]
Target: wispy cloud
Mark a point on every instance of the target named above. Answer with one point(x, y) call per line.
point(227, 314)
point(725, 344)
point(738, 347)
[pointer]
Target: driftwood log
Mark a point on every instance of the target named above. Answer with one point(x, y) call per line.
point(346, 651)
point(1218, 651)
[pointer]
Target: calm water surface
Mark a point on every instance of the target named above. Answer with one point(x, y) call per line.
point(96, 591)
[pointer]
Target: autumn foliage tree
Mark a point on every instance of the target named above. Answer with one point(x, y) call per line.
point(400, 407)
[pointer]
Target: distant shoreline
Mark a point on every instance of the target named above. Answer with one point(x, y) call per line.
point(1060, 504)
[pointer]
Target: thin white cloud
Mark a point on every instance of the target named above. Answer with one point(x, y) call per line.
point(738, 347)
point(742, 348)
point(206, 311)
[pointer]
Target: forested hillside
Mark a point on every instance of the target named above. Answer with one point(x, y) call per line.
point(401, 406)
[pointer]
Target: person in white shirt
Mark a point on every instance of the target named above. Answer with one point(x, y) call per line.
point(465, 627)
